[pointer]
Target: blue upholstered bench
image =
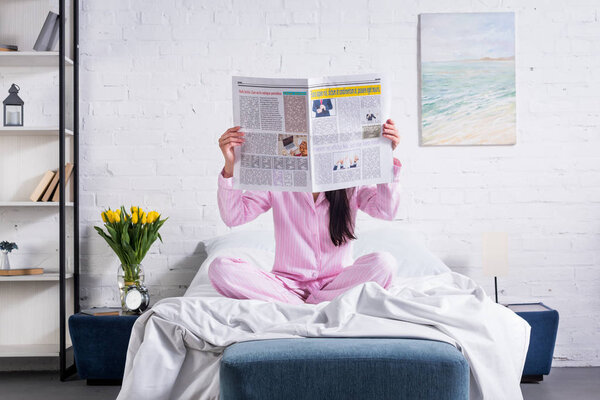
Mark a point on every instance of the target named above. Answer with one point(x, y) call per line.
point(344, 368)
point(100, 346)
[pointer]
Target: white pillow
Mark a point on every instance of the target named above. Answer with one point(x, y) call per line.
point(260, 240)
point(408, 247)
point(258, 248)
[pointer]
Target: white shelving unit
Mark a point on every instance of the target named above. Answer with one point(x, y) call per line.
point(48, 276)
point(29, 350)
point(33, 204)
point(30, 305)
point(32, 59)
point(34, 309)
point(31, 131)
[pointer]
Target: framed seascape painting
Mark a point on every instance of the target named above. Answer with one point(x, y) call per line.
point(468, 94)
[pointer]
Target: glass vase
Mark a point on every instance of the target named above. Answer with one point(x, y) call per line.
point(4, 262)
point(129, 275)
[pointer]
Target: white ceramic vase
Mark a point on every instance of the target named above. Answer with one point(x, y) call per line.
point(4, 262)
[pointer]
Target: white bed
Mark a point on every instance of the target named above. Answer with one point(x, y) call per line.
point(175, 348)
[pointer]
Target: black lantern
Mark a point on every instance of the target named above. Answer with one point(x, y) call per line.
point(13, 107)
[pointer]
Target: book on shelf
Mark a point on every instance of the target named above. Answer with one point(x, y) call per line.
point(21, 271)
point(42, 186)
point(68, 173)
point(9, 47)
point(102, 311)
point(51, 187)
point(47, 188)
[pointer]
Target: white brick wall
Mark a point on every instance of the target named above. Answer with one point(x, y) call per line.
point(155, 91)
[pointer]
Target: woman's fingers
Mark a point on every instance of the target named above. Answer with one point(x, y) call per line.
point(231, 130)
point(390, 132)
point(226, 135)
point(232, 133)
point(231, 140)
point(230, 145)
point(393, 135)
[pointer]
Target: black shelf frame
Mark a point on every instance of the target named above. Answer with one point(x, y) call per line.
point(68, 370)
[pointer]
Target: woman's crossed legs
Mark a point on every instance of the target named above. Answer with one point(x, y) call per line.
point(239, 279)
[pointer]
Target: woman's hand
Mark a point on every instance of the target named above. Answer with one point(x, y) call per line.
point(231, 138)
point(390, 132)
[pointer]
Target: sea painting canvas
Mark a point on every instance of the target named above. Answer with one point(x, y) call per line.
point(468, 94)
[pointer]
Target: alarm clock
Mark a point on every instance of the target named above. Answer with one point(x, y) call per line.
point(136, 299)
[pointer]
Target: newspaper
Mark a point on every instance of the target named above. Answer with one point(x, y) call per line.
point(311, 135)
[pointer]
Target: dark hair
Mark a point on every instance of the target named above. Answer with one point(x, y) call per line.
point(341, 228)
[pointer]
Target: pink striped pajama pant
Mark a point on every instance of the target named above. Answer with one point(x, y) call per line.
point(239, 279)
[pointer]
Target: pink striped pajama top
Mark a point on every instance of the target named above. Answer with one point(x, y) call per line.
point(304, 252)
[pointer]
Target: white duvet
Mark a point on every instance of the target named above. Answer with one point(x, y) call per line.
point(176, 347)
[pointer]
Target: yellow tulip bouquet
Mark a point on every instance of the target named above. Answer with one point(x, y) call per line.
point(131, 236)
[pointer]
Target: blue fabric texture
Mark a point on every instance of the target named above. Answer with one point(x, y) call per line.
point(544, 326)
point(100, 344)
point(344, 368)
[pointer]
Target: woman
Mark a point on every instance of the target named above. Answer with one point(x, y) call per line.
point(313, 234)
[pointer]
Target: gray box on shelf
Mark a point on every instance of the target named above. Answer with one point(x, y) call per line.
point(48, 36)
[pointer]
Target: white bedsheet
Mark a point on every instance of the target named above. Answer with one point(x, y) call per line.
point(176, 347)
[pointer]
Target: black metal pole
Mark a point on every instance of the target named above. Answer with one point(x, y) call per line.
point(496, 287)
point(61, 188)
point(76, 307)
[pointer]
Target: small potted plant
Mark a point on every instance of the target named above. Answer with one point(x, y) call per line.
point(130, 236)
point(5, 248)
